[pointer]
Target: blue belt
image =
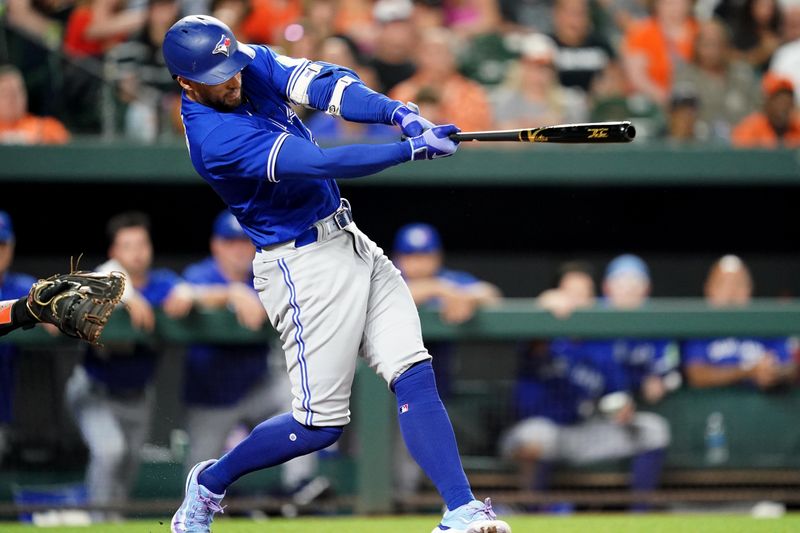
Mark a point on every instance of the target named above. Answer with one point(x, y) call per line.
point(339, 220)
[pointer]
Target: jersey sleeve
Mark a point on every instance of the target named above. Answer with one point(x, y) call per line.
point(696, 352)
point(782, 348)
point(236, 149)
point(334, 89)
point(302, 159)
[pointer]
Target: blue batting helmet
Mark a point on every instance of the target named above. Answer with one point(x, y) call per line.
point(203, 49)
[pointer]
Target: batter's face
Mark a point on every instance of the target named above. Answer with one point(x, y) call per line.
point(133, 249)
point(6, 256)
point(225, 96)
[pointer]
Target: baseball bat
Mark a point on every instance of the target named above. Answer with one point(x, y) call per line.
point(588, 133)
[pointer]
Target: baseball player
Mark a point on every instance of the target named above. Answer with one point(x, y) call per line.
point(12, 286)
point(329, 291)
point(225, 386)
point(765, 363)
point(563, 398)
point(650, 365)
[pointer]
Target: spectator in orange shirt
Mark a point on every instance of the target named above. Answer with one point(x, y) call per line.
point(652, 47)
point(778, 124)
point(466, 103)
point(17, 126)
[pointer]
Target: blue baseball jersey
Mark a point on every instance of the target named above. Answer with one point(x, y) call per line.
point(640, 358)
point(739, 352)
point(12, 286)
point(263, 161)
point(562, 380)
point(135, 369)
point(220, 375)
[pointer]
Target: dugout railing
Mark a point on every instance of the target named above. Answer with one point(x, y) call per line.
point(90, 161)
point(774, 476)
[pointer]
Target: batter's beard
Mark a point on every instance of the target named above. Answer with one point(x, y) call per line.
point(222, 105)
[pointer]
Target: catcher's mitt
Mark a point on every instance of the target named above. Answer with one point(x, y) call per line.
point(78, 303)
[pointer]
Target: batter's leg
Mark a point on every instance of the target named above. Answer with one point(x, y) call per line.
point(316, 297)
point(393, 346)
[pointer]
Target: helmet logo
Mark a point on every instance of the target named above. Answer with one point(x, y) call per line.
point(223, 46)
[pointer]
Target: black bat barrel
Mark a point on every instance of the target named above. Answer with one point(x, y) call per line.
point(589, 133)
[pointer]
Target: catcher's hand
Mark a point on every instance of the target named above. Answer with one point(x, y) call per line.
point(78, 303)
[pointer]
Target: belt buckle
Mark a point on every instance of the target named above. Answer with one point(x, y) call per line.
point(343, 217)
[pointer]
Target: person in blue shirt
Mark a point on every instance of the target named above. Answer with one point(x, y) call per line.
point(110, 393)
point(573, 406)
point(12, 286)
point(575, 398)
point(329, 290)
point(457, 295)
point(226, 386)
point(765, 363)
point(651, 365)
point(419, 255)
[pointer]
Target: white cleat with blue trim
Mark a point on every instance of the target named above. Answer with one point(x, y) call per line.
point(474, 517)
point(199, 504)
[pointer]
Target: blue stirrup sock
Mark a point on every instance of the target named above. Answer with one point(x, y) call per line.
point(271, 443)
point(428, 434)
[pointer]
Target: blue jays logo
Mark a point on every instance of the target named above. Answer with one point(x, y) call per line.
point(223, 46)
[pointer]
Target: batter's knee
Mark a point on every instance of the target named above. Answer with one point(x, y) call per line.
point(317, 438)
point(531, 439)
point(653, 431)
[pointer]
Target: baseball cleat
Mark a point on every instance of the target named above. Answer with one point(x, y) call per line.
point(474, 517)
point(199, 504)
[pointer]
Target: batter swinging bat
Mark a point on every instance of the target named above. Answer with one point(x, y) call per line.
point(588, 133)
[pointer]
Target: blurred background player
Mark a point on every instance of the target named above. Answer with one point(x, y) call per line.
point(419, 255)
point(12, 286)
point(110, 393)
point(226, 387)
point(573, 289)
point(764, 363)
point(650, 365)
point(574, 398)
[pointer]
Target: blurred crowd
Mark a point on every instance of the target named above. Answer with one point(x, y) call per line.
point(714, 71)
point(567, 392)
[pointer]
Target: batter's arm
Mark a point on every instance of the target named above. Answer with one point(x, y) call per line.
point(301, 159)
